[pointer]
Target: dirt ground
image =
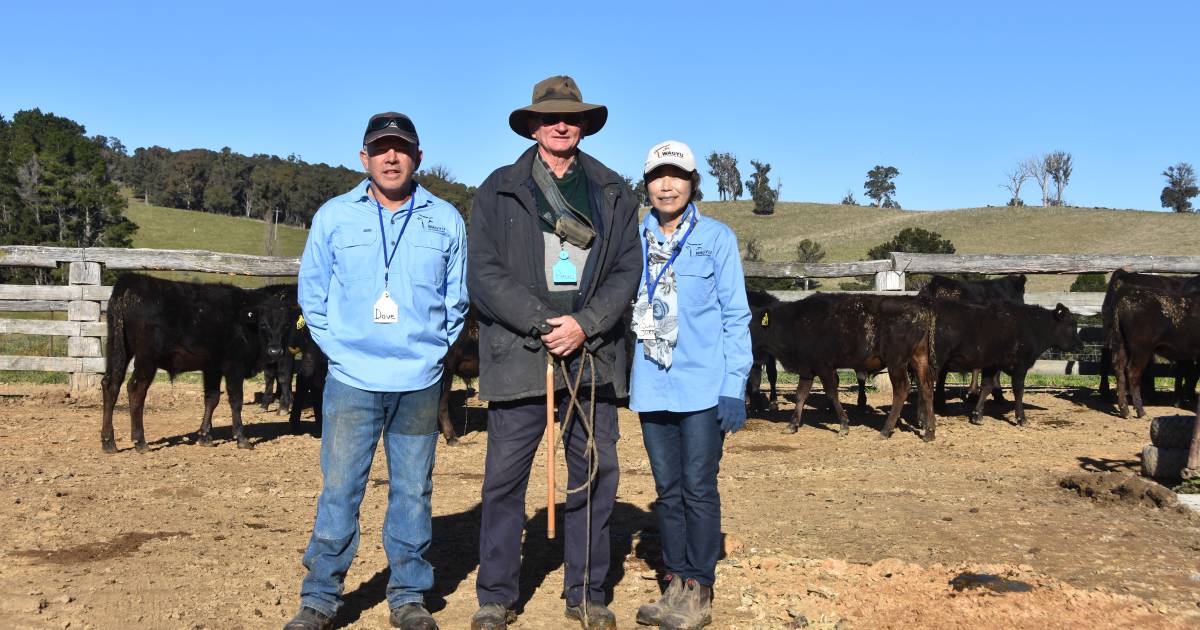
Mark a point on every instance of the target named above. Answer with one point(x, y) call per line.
point(971, 530)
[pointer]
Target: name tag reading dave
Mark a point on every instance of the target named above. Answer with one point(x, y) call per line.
point(385, 309)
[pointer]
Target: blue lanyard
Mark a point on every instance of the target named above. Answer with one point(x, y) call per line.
point(387, 259)
point(651, 286)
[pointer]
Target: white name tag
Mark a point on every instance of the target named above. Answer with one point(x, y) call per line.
point(385, 309)
point(644, 326)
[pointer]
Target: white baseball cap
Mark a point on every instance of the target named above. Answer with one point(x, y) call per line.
point(671, 152)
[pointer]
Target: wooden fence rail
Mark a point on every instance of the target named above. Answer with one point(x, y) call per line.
point(84, 299)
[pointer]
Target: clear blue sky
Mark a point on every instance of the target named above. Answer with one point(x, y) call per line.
point(951, 93)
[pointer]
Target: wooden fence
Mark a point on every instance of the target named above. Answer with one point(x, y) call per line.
point(84, 299)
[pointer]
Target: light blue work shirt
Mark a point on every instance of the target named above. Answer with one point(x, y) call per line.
point(712, 356)
point(341, 278)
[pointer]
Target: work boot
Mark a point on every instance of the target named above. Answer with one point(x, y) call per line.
point(309, 619)
point(652, 614)
point(492, 617)
point(599, 617)
point(693, 608)
point(412, 617)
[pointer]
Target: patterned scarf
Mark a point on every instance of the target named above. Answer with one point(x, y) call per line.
point(666, 297)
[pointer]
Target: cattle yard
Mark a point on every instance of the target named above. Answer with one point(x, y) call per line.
point(970, 530)
point(997, 525)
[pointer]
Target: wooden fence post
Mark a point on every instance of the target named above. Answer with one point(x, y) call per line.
point(889, 281)
point(83, 274)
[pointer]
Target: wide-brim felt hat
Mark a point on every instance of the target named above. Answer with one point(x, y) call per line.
point(558, 95)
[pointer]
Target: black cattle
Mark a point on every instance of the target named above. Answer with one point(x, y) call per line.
point(1185, 371)
point(311, 368)
point(1148, 321)
point(816, 336)
point(218, 329)
point(999, 337)
point(759, 301)
point(1009, 288)
point(462, 360)
point(277, 373)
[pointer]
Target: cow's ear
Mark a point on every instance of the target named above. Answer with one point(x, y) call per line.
point(1061, 312)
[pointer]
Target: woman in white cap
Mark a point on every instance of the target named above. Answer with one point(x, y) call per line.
point(689, 377)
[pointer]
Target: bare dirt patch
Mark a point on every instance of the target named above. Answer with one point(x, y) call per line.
point(972, 530)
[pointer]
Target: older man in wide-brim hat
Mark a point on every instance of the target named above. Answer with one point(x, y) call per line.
point(554, 260)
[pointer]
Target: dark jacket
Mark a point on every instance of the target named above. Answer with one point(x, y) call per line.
point(507, 284)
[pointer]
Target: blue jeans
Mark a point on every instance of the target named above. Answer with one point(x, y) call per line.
point(685, 455)
point(353, 421)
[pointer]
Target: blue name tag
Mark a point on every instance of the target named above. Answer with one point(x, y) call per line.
point(563, 271)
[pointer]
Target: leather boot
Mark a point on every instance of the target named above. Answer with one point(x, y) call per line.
point(492, 617)
point(693, 608)
point(652, 614)
point(594, 616)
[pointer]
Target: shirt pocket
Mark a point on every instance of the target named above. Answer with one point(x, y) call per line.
point(696, 278)
point(428, 258)
point(355, 255)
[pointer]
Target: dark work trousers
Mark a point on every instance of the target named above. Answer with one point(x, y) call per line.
point(515, 429)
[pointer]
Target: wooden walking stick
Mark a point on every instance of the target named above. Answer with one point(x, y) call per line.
point(549, 445)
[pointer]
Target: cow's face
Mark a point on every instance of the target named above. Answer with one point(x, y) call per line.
point(275, 320)
point(1066, 331)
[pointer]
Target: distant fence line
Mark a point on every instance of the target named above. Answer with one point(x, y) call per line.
point(84, 298)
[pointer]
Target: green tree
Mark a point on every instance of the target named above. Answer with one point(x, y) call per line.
point(225, 188)
point(913, 241)
point(638, 186)
point(1090, 283)
point(439, 181)
point(1180, 188)
point(147, 171)
point(1059, 166)
point(753, 251)
point(760, 188)
point(849, 199)
point(55, 189)
point(186, 176)
point(916, 241)
point(723, 168)
point(809, 251)
point(880, 187)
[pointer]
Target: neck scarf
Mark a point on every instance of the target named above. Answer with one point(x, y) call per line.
point(665, 309)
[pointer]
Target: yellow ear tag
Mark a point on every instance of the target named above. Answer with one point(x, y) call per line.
point(766, 319)
point(300, 323)
point(295, 350)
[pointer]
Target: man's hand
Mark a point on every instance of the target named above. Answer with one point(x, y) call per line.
point(566, 337)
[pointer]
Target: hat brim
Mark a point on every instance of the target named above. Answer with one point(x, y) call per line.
point(595, 115)
point(391, 131)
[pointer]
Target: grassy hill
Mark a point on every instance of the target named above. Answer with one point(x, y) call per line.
point(169, 228)
point(847, 232)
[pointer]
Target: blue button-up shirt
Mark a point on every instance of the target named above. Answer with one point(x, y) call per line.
point(341, 278)
point(712, 356)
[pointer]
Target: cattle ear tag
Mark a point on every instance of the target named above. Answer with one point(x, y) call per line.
point(385, 311)
point(300, 322)
point(766, 319)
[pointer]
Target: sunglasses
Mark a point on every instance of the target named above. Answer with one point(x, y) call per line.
point(553, 119)
point(403, 124)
